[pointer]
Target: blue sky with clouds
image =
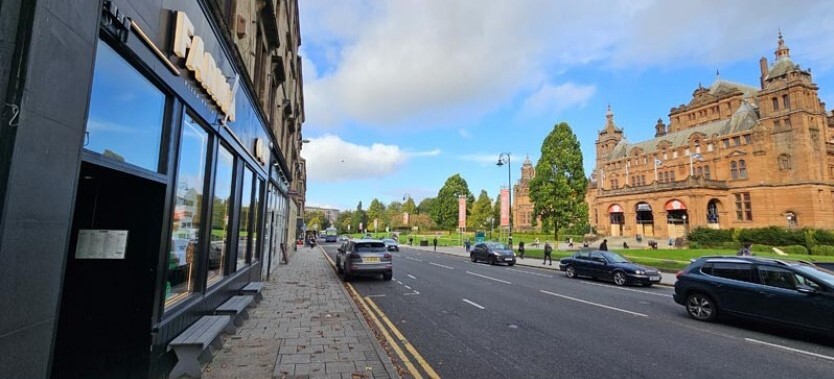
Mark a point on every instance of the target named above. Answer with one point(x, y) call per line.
point(400, 95)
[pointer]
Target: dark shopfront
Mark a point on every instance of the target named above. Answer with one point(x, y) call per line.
point(178, 198)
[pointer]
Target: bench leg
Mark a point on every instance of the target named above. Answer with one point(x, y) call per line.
point(230, 329)
point(187, 362)
point(217, 343)
point(244, 314)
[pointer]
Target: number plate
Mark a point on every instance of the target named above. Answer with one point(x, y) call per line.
point(656, 277)
point(371, 259)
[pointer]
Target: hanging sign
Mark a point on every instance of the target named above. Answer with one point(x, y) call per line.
point(505, 207)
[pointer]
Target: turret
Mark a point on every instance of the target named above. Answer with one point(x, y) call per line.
point(660, 128)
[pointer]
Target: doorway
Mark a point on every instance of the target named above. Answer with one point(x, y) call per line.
point(106, 313)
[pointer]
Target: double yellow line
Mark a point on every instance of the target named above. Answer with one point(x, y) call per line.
point(379, 318)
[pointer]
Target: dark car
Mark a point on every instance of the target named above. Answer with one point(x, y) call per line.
point(391, 244)
point(364, 257)
point(492, 252)
point(609, 266)
point(796, 294)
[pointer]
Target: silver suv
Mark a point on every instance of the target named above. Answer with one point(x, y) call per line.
point(364, 257)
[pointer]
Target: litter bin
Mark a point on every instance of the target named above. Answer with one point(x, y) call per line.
point(424, 243)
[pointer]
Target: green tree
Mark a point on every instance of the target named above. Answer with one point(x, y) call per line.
point(394, 214)
point(376, 211)
point(409, 206)
point(323, 222)
point(358, 217)
point(445, 208)
point(425, 205)
point(496, 210)
point(481, 212)
point(343, 220)
point(558, 189)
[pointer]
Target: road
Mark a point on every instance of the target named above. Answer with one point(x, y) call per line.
point(473, 320)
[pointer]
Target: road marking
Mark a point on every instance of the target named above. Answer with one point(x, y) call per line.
point(399, 282)
point(419, 358)
point(531, 273)
point(488, 277)
point(412, 293)
point(406, 286)
point(380, 295)
point(411, 276)
point(594, 304)
point(440, 265)
point(413, 259)
point(628, 289)
point(473, 304)
point(790, 349)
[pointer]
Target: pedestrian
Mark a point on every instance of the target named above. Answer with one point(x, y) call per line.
point(410, 240)
point(570, 242)
point(604, 245)
point(536, 244)
point(511, 243)
point(625, 245)
point(521, 249)
point(466, 245)
point(435, 243)
point(547, 251)
point(745, 250)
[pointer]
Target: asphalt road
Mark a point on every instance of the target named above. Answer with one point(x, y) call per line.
point(473, 320)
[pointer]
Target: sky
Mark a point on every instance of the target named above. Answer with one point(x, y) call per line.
point(402, 94)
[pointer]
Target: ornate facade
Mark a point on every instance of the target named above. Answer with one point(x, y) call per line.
point(735, 156)
point(522, 206)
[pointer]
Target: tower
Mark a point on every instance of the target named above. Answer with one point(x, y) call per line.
point(608, 138)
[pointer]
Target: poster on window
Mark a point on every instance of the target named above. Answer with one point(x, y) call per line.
point(505, 207)
point(462, 212)
point(101, 244)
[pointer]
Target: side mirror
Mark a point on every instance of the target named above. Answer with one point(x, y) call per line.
point(806, 290)
point(341, 250)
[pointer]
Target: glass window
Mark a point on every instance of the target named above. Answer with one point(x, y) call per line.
point(259, 188)
point(777, 277)
point(220, 208)
point(786, 101)
point(126, 112)
point(735, 271)
point(775, 103)
point(742, 169)
point(245, 226)
point(736, 140)
point(706, 172)
point(734, 170)
point(183, 255)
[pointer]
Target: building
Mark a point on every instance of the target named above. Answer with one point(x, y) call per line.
point(331, 214)
point(150, 169)
point(522, 206)
point(735, 156)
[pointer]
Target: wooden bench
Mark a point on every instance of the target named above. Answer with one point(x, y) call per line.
point(253, 289)
point(236, 307)
point(197, 341)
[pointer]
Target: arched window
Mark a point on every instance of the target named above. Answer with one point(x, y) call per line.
point(699, 171)
point(742, 169)
point(733, 170)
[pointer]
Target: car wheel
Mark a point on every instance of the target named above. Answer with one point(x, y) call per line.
point(701, 307)
point(387, 276)
point(620, 278)
point(339, 267)
point(510, 264)
point(570, 272)
point(472, 258)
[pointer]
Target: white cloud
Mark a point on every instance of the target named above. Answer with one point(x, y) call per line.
point(463, 133)
point(331, 159)
point(550, 100)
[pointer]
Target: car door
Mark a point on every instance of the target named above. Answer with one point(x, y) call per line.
point(596, 266)
point(733, 286)
point(580, 263)
point(779, 300)
point(479, 251)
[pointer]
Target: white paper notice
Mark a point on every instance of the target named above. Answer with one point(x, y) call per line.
point(101, 244)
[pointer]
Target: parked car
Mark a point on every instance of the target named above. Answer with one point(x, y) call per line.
point(492, 252)
point(364, 257)
point(609, 266)
point(391, 245)
point(795, 294)
point(343, 238)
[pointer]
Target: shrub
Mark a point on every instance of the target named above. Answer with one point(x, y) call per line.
point(794, 249)
point(757, 248)
point(773, 236)
point(706, 235)
point(822, 250)
point(824, 237)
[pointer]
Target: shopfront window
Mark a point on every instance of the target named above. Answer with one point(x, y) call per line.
point(220, 208)
point(187, 214)
point(126, 112)
point(245, 229)
point(259, 185)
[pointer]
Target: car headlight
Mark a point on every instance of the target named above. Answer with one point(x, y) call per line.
point(640, 272)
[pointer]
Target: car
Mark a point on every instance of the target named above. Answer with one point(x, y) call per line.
point(364, 257)
point(789, 293)
point(610, 266)
point(492, 252)
point(343, 238)
point(391, 245)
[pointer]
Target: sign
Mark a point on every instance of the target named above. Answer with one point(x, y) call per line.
point(480, 237)
point(101, 244)
point(405, 218)
point(675, 205)
point(461, 211)
point(505, 207)
point(376, 222)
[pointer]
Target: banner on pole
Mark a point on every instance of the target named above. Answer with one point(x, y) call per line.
point(462, 212)
point(505, 207)
point(405, 218)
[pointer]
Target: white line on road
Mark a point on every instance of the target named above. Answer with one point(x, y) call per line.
point(591, 303)
point(474, 304)
point(629, 289)
point(399, 282)
point(440, 265)
point(413, 259)
point(488, 277)
point(531, 273)
point(406, 286)
point(380, 295)
point(411, 276)
point(789, 349)
point(412, 293)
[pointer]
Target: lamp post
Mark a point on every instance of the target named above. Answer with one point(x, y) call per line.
point(504, 158)
point(685, 227)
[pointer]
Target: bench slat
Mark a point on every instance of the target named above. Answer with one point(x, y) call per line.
point(236, 304)
point(202, 332)
point(253, 287)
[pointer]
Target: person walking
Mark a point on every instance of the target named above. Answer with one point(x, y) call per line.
point(547, 251)
point(604, 245)
point(745, 250)
point(435, 243)
point(466, 244)
point(521, 249)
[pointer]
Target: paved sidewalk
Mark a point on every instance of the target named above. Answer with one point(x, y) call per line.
point(306, 326)
point(667, 280)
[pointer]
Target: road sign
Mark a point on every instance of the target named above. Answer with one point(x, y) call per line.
point(480, 237)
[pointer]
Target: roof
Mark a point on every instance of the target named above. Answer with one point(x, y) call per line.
point(745, 118)
point(781, 67)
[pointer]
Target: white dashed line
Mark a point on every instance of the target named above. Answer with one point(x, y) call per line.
point(531, 273)
point(474, 304)
point(628, 289)
point(789, 349)
point(399, 282)
point(592, 303)
point(413, 259)
point(488, 277)
point(412, 293)
point(440, 265)
point(380, 295)
point(412, 276)
point(406, 286)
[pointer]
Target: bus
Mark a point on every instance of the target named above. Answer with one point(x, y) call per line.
point(331, 234)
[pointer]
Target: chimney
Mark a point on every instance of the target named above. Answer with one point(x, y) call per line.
point(763, 67)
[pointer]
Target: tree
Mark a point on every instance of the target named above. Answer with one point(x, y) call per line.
point(496, 210)
point(445, 208)
point(376, 211)
point(425, 205)
point(409, 206)
point(343, 220)
point(359, 217)
point(481, 212)
point(322, 221)
point(558, 189)
point(394, 214)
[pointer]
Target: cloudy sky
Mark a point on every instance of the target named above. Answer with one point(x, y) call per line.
point(402, 94)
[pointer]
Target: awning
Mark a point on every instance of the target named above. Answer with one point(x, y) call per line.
point(615, 208)
point(675, 205)
point(644, 207)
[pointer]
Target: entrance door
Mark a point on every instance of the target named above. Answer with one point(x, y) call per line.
point(104, 327)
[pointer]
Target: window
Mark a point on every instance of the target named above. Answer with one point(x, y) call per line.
point(775, 103)
point(183, 253)
point(777, 277)
point(747, 139)
point(784, 162)
point(733, 170)
point(710, 147)
point(673, 176)
point(674, 153)
point(742, 169)
point(706, 172)
point(220, 208)
point(126, 113)
point(786, 101)
point(726, 143)
point(744, 210)
point(245, 225)
point(736, 141)
point(735, 271)
point(787, 123)
point(259, 198)
point(699, 171)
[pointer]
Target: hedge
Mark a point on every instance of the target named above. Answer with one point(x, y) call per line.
point(794, 250)
point(791, 241)
point(709, 236)
point(822, 250)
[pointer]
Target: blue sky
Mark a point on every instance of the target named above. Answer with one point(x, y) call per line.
point(400, 95)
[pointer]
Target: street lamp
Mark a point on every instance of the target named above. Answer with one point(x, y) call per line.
point(504, 158)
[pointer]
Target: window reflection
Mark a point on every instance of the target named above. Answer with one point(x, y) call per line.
point(257, 219)
point(126, 112)
point(184, 251)
point(244, 231)
point(221, 204)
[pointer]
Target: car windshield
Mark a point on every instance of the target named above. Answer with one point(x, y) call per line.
point(614, 258)
point(496, 246)
point(387, 241)
point(818, 273)
point(370, 247)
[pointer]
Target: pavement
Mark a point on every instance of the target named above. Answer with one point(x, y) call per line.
point(306, 326)
point(668, 278)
